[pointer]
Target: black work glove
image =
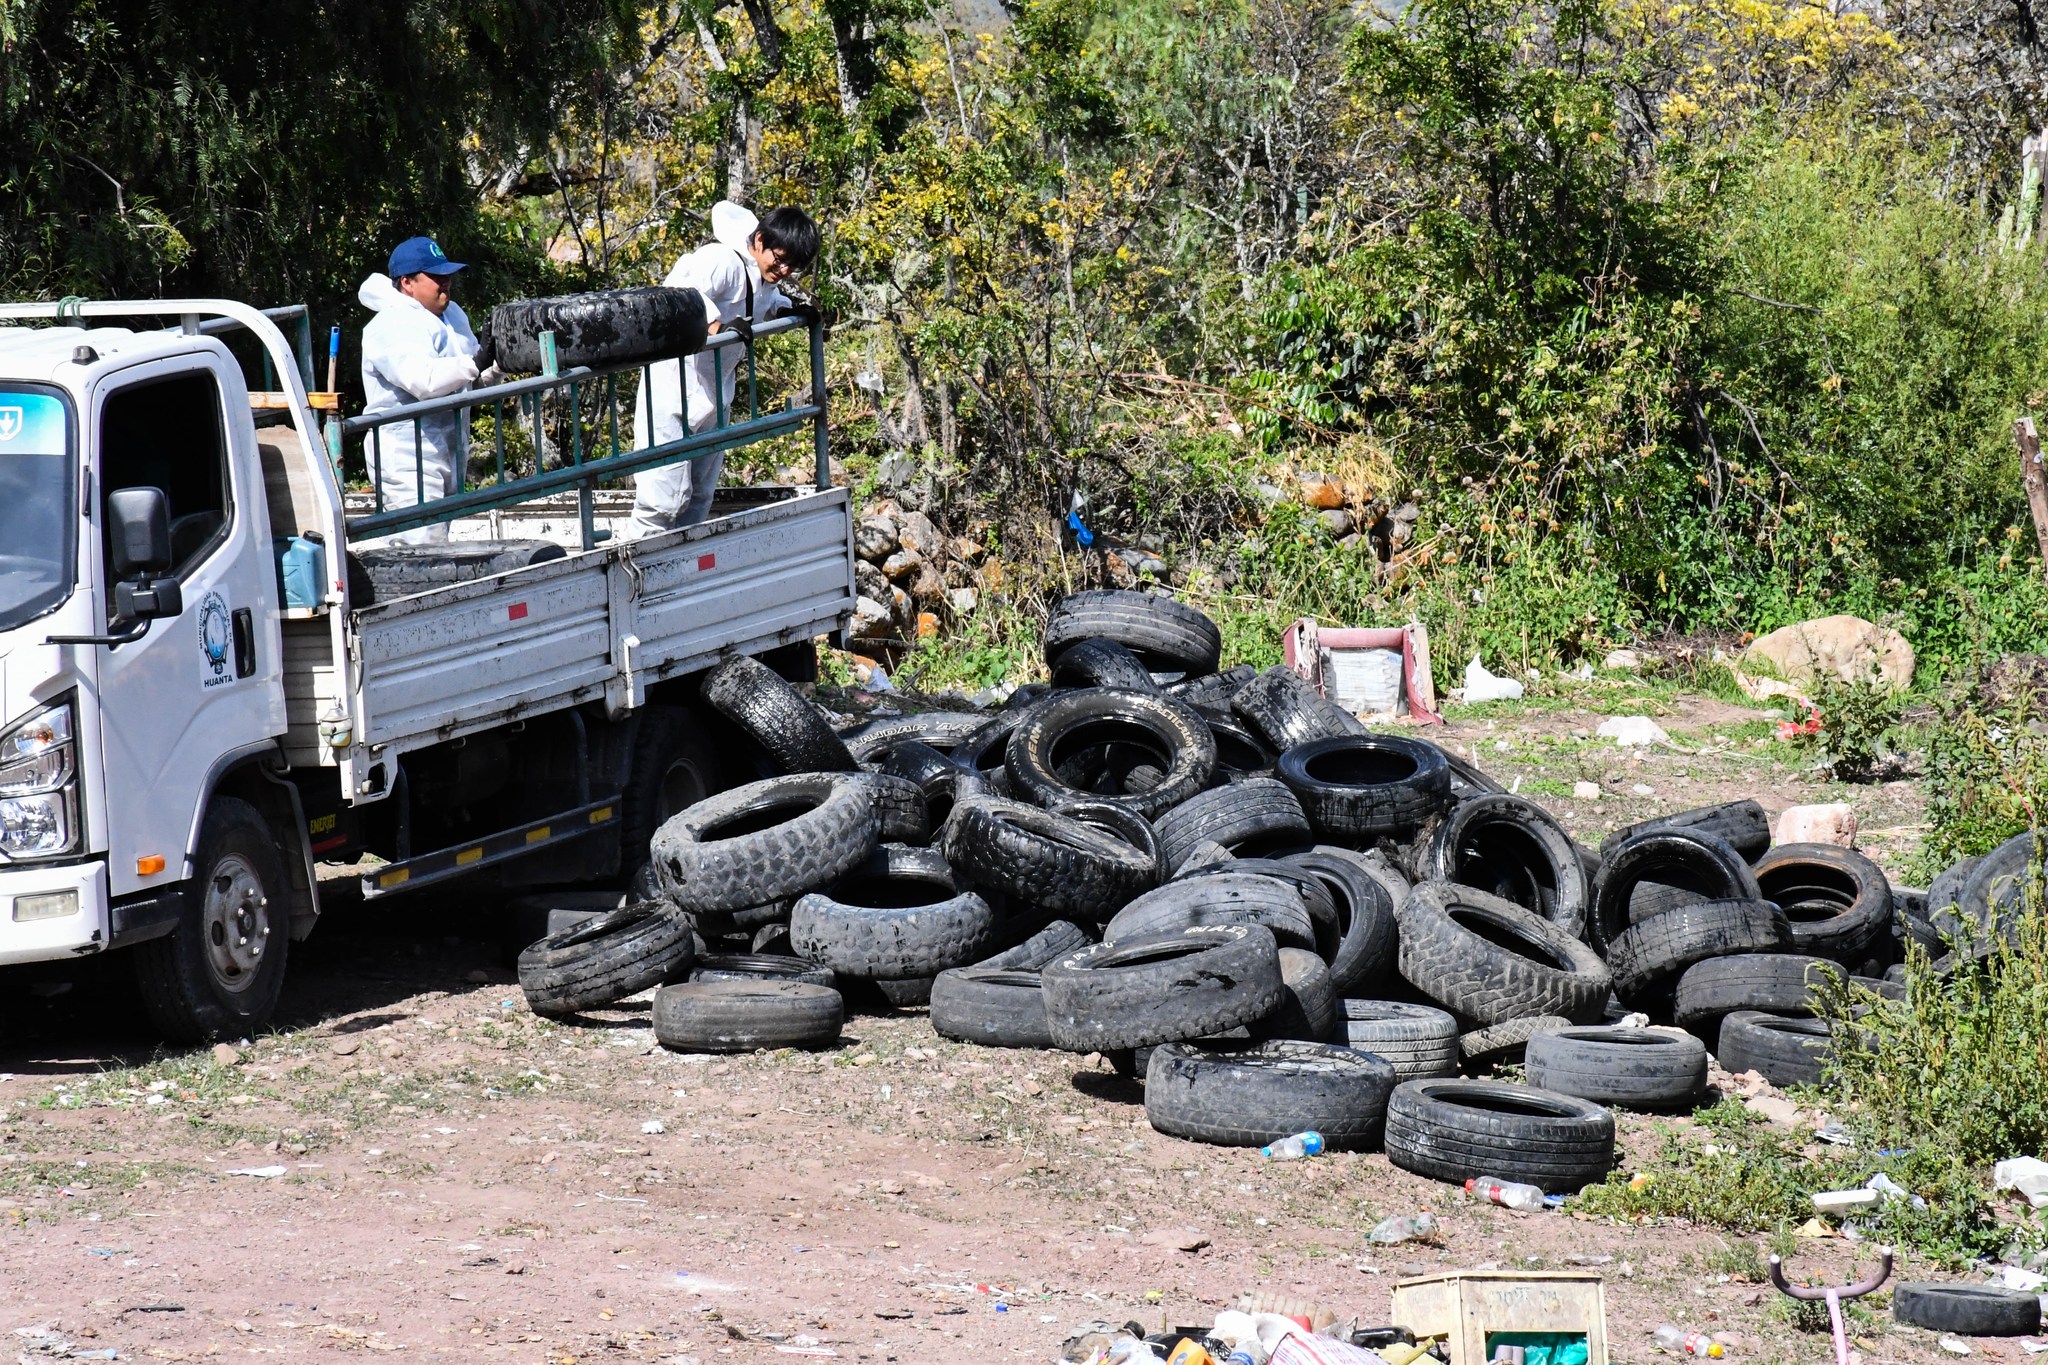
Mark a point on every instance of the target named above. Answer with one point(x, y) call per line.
point(743, 328)
point(486, 350)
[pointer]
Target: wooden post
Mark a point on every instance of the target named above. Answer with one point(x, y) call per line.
point(2031, 477)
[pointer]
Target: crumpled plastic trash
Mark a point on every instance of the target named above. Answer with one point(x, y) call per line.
point(1406, 1228)
point(1633, 732)
point(1889, 1190)
point(2019, 1277)
point(2027, 1174)
point(1481, 685)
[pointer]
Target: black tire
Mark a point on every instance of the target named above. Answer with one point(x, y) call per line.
point(1696, 862)
point(1459, 1130)
point(1228, 897)
point(1838, 901)
point(1251, 817)
point(1213, 691)
point(900, 804)
point(385, 573)
point(1498, 1043)
point(1315, 896)
point(905, 992)
point(1420, 1041)
point(1121, 824)
point(900, 914)
point(605, 327)
point(776, 838)
point(1044, 859)
point(1167, 636)
point(1164, 989)
point(606, 959)
point(675, 765)
point(1308, 1006)
point(741, 1016)
point(1629, 1068)
point(1743, 825)
point(1647, 956)
point(1253, 1096)
point(1514, 849)
point(1043, 948)
point(760, 967)
point(1101, 663)
point(529, 919)
point(1995, 896)
point(1284, 710)
point(994, 1007)
point(1945, 893)
point(1488, 960)
point(1970, 1310)
point(219, 973)
point(1467, 781)
point(775, 716)
point(1104, 744)
point(1783, 1050)
point(1358, 788)
point(1240, 754)
point(1366, 893)
point(1777, 983)
point(873, 741)
point(942, 782)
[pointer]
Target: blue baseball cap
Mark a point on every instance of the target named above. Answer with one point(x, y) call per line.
point(417, 254)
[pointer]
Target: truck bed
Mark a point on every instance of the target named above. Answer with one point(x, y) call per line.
point(599, 624)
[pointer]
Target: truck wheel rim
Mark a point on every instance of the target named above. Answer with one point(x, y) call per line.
point(235, 922)
point(682, 787)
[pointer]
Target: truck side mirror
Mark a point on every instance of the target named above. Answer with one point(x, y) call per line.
point(138, 532)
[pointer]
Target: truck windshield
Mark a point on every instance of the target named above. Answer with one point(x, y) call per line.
point(38, 511)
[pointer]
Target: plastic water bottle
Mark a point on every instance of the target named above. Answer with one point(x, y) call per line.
point(1692, 1343)
point(1294, 1148)
point(1508, 1194)
point(1406, 1228)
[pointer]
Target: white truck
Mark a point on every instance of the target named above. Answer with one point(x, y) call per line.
point(183, 735)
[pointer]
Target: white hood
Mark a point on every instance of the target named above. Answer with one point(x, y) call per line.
point(732, 225)
point(378, 293)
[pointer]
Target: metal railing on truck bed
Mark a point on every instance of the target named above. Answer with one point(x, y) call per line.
point(589, 422)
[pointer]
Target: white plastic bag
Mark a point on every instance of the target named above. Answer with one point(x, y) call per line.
point(1481, 685)
point(2027, 1174)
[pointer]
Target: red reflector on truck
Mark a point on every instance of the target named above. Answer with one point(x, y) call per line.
point(707, 562)
point(516, 612)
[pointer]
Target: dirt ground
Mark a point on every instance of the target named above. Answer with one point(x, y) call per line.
point(413, 1163)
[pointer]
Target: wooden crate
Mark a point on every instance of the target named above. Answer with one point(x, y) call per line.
point(1464, 1306)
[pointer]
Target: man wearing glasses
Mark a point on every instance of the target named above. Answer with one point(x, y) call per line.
point(737, 273)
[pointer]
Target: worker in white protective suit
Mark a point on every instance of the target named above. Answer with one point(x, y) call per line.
point(737, 273)
point(418, 346)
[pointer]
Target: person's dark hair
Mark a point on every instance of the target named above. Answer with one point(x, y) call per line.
point(791, 232)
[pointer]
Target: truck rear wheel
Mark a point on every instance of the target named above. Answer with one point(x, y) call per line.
point(220, 972)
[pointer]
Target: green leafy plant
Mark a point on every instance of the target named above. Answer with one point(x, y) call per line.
point(1851, 726)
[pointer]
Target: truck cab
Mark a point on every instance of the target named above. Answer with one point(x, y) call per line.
point(168, 720)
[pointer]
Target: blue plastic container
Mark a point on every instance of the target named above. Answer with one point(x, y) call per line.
point(301, 571)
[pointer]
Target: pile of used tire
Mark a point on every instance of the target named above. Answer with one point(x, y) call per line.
point(1222, 883)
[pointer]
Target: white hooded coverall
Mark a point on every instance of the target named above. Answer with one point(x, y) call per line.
point(721, 270)
point(409, 356)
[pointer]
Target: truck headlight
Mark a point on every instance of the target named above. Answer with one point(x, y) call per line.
point(38, 785)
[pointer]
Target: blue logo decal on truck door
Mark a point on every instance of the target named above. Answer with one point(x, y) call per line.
point(216, 639)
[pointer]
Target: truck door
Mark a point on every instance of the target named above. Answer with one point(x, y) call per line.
point(204, 685)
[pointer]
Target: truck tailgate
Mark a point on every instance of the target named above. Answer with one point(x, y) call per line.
point(603, 623)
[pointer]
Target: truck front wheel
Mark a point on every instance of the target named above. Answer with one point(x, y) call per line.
point(220, 972)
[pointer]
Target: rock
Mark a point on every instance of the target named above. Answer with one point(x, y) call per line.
point(346, 1046)
point(901, 609)
point(993, 576)
point(970, 551)
point(963, 600)
point(871, 620)
point(1353, 542)
point(928, 588)
point(914, 531)
point(901, 565)
point(1632, 731)
point(1585, 791)
point(1407, 514)
point(1848, 647)
point(869, 581)
point(927, 626)
point(1622, 661)
point(875, 538)
point(1322, 491)
point(1773, 1109)
point(1338, 522)
point(225, 1054)
point(1833, 823)
point(1177, 1239)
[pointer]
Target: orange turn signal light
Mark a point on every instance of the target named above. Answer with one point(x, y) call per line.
point(149, 865)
